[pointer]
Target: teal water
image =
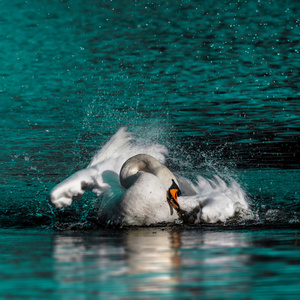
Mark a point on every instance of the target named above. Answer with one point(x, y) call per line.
point(143, 263)
point(215, 82)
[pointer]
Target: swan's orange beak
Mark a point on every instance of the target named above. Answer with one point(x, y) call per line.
point(173, 199)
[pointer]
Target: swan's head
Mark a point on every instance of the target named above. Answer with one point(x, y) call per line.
point(173, 193)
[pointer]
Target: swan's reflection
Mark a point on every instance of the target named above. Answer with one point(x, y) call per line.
point(146, 256)
point(144, 259)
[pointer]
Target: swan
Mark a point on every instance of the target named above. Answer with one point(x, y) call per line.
point(136, 188)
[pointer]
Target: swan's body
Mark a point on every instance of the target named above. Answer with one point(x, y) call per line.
point(135, 188)
point(143, 200)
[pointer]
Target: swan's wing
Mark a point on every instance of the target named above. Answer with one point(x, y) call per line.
point(73, 187)
point(120, 147)
point(109, 158)
point(219, 201)
point(118, 143)
point(98, 179)
point(186, 186)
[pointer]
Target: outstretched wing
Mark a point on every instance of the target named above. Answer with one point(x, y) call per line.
point(120, 141)
point(73, 187)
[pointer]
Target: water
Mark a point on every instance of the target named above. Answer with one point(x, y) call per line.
point(142, 263)
point(217, 83)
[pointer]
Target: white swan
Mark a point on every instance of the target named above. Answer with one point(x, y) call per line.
point(137, 189)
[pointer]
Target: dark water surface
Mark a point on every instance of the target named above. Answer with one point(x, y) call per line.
point(217, 82)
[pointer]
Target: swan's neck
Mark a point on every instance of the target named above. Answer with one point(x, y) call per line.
point(145, 163)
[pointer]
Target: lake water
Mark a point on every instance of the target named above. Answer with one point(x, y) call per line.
point(217, 83)
point(143, 263)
